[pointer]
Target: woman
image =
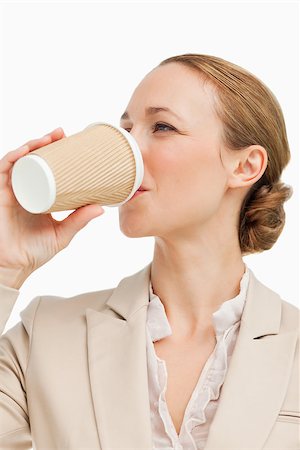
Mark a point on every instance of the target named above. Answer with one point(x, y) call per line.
point(192, 351)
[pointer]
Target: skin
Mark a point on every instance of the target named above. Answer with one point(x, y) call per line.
point(196, 188)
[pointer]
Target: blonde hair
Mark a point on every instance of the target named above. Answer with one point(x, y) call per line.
point(250, 114)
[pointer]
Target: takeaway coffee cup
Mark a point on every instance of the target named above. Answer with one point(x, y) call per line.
point(100, 164)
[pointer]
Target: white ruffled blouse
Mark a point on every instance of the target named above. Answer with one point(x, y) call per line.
point(203, 403)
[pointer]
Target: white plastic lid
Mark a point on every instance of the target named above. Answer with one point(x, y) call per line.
point(33, 184)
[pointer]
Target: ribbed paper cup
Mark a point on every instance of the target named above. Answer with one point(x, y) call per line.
point(101, 164)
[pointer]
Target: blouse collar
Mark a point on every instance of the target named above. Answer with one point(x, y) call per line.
point(223, 318)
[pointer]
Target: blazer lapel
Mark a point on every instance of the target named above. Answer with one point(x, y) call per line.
point(257, 377)
point(118, 366)
point(250, 398)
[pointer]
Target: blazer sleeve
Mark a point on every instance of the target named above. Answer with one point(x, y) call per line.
point(14, 354)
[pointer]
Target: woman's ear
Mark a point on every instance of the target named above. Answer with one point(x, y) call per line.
point(246, 166)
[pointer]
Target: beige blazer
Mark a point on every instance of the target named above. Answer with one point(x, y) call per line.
point(73, 373)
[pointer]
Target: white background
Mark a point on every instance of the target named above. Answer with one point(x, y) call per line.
point(70, 64)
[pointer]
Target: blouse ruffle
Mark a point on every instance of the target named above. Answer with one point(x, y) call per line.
point(202, 405)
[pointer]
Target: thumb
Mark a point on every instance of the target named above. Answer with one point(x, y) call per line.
point(78, 219)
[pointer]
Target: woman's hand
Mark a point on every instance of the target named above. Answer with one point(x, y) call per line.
point(27, 241)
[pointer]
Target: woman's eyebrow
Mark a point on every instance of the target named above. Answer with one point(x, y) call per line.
point(151, 110)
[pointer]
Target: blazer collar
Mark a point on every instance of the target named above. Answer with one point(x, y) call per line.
point(117, 362)
point(252, 392)
point(131, 294)
point(262, 314)
point(258, 374)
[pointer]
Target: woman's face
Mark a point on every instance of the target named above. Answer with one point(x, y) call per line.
point(183, 171)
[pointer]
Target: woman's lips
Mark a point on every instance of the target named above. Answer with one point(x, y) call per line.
point(137, 193)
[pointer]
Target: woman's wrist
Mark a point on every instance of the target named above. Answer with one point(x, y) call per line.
point(13, 278)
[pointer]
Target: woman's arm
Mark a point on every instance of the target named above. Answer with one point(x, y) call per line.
point(14, 352)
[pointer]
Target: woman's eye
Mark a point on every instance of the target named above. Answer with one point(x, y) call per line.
point(156, 126)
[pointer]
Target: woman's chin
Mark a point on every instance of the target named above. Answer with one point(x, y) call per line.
point(131, 228)
point(133, 224)
point(132, 231)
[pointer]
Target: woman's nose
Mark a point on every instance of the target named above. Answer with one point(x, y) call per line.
point(139, 140)
point(142, 146)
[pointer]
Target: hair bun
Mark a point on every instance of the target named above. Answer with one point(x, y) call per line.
point(263, 217)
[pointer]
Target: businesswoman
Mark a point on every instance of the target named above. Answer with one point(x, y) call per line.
point(192, 351)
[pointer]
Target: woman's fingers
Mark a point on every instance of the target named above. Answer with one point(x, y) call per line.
point(78, 219)
point(54, 135)
point(11, 157)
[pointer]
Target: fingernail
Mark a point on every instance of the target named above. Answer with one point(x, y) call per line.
point(99, 209)
point(48, 134)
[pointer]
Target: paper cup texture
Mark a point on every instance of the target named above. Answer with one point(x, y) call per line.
point(97, 165)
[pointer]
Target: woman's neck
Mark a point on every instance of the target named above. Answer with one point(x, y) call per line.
point(193, 281)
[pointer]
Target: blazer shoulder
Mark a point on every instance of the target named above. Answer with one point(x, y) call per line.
point(290, 320)
point(55, 308)
point(290, 316)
